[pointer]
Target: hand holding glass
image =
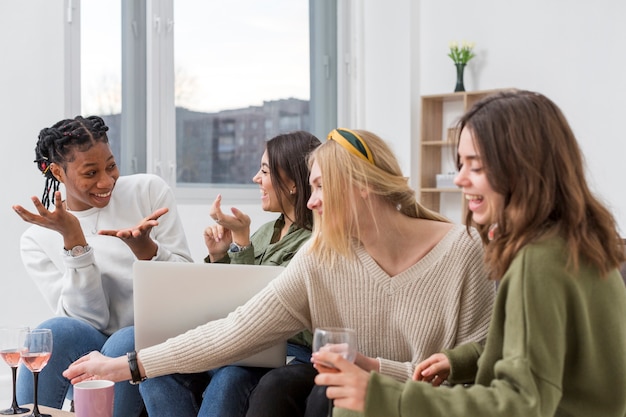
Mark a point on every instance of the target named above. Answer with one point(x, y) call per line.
point(10, 352)
point(338, 340)
point(35, 351)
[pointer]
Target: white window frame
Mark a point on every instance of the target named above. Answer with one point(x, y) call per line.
point(148, 91)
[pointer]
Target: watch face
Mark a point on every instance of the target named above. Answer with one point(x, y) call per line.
point(79, 250)
point(234, 248)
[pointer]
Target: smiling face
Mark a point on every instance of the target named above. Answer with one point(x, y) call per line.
point(483, 201)
point(89, 178)
point(269, 198)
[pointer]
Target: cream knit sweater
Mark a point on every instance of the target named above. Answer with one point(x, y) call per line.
point(443, 300)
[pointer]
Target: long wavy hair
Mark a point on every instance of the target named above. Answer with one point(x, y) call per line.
point(530, 156)
point(342, 173)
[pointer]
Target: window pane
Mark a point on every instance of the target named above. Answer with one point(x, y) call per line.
point(242, 77)
point(101, 70)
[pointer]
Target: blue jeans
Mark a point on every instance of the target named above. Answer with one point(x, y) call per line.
point(221, 392)
point(71, 339)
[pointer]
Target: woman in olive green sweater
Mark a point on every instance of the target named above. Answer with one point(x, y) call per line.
point(283, 181)
point(557, 340)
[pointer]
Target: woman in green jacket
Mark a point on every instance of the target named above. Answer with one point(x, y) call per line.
point(283, 182)
point(557, 340)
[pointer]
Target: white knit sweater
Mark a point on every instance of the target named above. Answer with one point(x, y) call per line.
point(443, 300)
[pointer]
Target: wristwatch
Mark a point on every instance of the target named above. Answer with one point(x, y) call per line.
point(234, 248)
point(136, 377)
point(77, 250)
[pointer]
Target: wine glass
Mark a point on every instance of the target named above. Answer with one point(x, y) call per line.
point(35, 351)
point(10, 352)
point(338, 340)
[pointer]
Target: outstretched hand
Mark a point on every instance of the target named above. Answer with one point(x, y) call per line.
point(434, 369)
point(60, 219)
point(227, 229)
point(239, 222)
point(348, 387)
point(138, 237)
point(97, 366)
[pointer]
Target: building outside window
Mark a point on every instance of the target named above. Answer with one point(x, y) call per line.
point(241, 75)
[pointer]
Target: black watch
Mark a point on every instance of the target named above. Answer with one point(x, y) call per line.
point(134, 368)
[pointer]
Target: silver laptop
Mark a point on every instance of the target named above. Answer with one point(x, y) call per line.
point(173, 297)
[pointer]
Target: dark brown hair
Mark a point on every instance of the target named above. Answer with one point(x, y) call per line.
point(287, 155)
point(531, 157)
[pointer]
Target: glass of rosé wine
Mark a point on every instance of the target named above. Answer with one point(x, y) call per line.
point(10, 352)
point(338, 340)
point(35, 352)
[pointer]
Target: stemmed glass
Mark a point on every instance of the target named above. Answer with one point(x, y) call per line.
point(10, 352)
point(338, 340)
point(35, 351)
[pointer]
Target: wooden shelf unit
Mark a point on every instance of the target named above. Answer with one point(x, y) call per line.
point(439, 113)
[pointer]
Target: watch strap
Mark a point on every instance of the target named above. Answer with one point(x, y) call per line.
point(136, 377)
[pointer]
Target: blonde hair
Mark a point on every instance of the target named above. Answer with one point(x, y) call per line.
point(342, 173)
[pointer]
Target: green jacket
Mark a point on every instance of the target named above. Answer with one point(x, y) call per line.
point(556, 347)
point(264, 252)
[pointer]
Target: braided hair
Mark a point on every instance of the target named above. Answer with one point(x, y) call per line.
point(56, 144)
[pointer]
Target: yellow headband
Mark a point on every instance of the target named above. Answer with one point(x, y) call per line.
point(352, 142)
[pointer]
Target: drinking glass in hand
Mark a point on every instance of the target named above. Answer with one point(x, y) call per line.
point(338, 340)
point(10, 352)
point(35, 351)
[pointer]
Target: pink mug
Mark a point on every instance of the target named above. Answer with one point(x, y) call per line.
point(94, 398)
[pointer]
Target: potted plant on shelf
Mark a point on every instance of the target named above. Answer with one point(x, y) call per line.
point(461, 54)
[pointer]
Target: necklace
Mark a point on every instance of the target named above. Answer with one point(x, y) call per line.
point(94, 229)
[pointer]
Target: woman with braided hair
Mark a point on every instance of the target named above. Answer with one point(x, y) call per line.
point(80, 253)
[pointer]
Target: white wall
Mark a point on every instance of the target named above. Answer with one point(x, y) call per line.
point(386, 68)
point(569, 51)
point(32, 96)
point(32, 86)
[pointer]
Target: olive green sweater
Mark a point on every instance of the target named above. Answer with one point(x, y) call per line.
point(267, 249)
point(556, 347)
